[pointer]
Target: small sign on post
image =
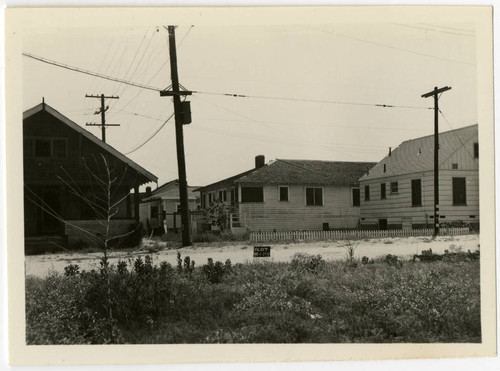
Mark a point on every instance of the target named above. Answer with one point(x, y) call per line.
point(262, 251)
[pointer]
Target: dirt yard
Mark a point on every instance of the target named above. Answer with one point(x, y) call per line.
point(242, 252)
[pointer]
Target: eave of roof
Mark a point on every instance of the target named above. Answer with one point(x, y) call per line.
point(224, 182)
point(45, 107)
point(308, 172)
point(417, 155)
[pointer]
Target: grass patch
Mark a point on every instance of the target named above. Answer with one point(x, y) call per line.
point(308, 300)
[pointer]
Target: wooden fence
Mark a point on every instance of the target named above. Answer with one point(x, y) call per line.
point(350, 234)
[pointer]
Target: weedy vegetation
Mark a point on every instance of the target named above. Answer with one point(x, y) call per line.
point(309, 300)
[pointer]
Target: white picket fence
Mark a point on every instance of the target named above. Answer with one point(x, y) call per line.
point(350, 234)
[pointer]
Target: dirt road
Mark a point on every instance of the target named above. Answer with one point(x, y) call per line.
point(40, 265)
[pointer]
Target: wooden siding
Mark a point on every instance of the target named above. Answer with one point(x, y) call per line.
point(73, 229)
point(397, 208)
point(463, 157)
point(272, 214)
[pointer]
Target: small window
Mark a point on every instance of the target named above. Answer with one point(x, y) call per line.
point(367, 193)
point(454, 166)
point(476, 150)
point(210, 198)
point(178, 208)
point(385, 168)
point(416, 192)
point(394, 187)
point(59, 148)
point(355, 197)
point(459, 192)
point(252, 194)
point(382, 191)
point(220, 195)
point(283, 193)
point(42, 147)
point(224, 195)
point(314, 196)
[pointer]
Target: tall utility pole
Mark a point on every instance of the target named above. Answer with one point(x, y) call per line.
point(182, 116)
point(102, 111)
point(435, 93)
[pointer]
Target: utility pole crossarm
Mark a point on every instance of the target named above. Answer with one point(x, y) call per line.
point(102, 111)
point(436, 91)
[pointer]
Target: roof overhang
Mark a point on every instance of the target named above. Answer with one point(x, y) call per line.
point(149, 177)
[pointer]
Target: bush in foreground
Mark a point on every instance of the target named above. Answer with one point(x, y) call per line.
point(307, 300)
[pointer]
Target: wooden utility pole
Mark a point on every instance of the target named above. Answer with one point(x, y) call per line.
point(435, 93)
point(103, 117)
point(182, 117)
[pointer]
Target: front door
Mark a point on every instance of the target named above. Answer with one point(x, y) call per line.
point(50, 211)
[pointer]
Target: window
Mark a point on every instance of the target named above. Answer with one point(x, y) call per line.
point(224, 195)
point(382, 191)
point(355, 197)
point(476, 150)
point(252, 194)
point(454, 166)
point(416, 192)
point(45, 147)
point(367, 193)
point(177, 208)
point(459, 194)
point(210, 198)
point(59, 148)
point(42, 147)
point(314, 196)
point(283, 193)
point(385, 168)
point(394, 187)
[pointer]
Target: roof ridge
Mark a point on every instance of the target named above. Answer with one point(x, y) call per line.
point(444, 132)
point(303, 168)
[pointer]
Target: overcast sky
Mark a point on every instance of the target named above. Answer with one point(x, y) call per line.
point(312, 89)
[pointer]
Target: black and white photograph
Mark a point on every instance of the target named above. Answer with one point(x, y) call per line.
point(260, 176)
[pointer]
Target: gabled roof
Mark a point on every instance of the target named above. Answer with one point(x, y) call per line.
point(417, 155)
point(224, 183)
point(308, 172)
point(170, 191)
point(45, 107)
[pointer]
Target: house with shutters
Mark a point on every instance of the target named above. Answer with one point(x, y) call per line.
point(287, 195)
point(65, 170)
point(399, 191)
point(161, 208)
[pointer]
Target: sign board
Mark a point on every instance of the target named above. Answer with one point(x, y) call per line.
point(261, 251)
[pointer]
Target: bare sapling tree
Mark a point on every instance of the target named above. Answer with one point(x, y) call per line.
point(102, 194)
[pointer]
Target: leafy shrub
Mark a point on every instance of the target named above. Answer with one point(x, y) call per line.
point(307, 262)
point(393, 261)
point(71, 270)
point(215, 272)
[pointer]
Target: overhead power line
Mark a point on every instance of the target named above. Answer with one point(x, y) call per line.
point(309, 100)
point(234, 95)
point(87, 72)
point(151, 136)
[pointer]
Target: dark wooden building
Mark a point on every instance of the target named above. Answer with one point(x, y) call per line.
point(74, 182)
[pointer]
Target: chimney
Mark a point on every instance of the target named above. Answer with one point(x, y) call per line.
point(260, 161)
point(148, 191)
point(390, 151)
